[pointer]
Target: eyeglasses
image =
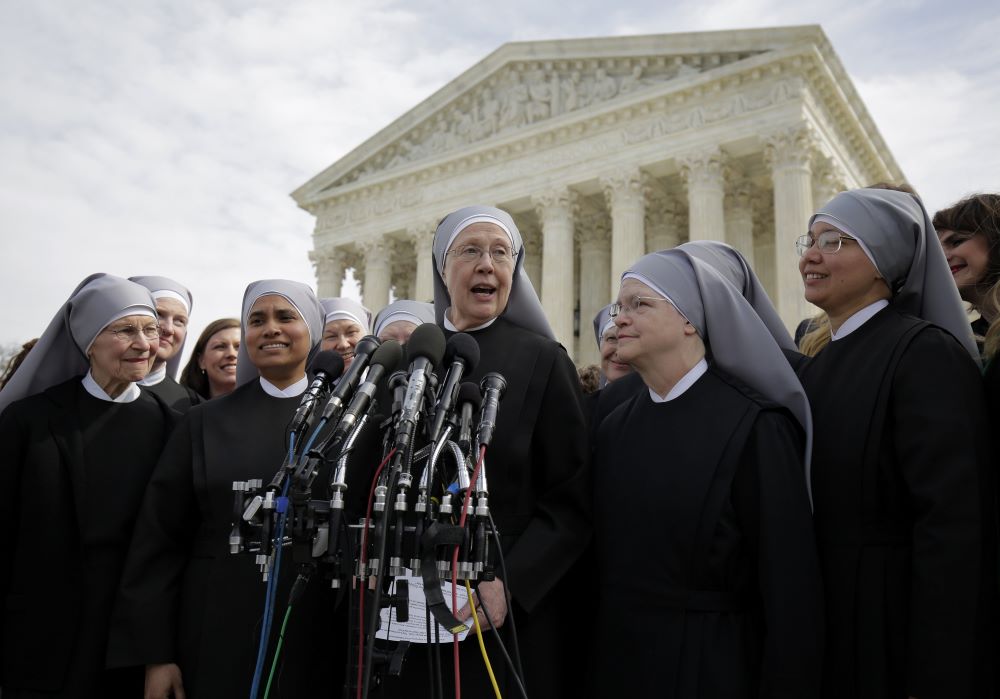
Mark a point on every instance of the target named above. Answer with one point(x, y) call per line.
point(828, 242)
point(472, 254)
point(635, 306)
point(130, 333)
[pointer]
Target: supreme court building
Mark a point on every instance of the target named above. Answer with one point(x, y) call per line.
point(602, 150)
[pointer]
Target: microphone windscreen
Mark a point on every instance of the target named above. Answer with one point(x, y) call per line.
point(468, 392)
point(427, 341)
point(366, 345)
point(464, 347)
point(327, 362)
point(388, 355)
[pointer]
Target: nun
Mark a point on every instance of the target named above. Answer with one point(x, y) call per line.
point(80, 442)
point(173, 310)
point(399, 319)
point(606, 335)
point(538, 458)
point(902, 492)
point(345, 322)
point(708, 575)
point(188, 610)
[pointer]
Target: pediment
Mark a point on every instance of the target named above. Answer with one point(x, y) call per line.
point(524, 84)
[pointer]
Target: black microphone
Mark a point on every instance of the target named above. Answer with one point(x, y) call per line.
point(493, 385)
point(385, 360)
point(462, 354)
point(425, 348)
point(345, 388)
point(326, 366)
point(469, 401)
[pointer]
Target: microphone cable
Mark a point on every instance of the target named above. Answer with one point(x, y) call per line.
point(479, 637)
point(518, 670)
point(503, 648)
point(298, 587)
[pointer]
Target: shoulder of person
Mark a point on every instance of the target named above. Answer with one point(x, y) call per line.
point(741, 391)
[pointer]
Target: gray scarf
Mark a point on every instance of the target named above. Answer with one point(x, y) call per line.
point(343, 308)
point(417, 312)
point(160, 284)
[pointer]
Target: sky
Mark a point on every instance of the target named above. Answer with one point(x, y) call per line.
point(164, 137)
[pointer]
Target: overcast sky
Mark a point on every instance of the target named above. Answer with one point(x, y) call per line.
point(141, 137)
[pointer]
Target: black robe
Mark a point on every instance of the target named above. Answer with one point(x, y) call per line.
point(73, 474)
point(902, 509)
point(180, 398)
point(708, 576)
point(538, 474)
point(184, 597)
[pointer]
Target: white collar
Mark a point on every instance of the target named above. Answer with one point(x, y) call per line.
point(686, 382)
point(293, 391)
point(155, 376)
point(126, 396)
point(448, 325)
point(858, 319)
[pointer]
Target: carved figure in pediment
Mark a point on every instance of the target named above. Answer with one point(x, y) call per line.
point(571, 92)
point(513, 111)
point(463, 126)
point(540, 92)
point(632, 82)
point(489, 115)
point(605, 86)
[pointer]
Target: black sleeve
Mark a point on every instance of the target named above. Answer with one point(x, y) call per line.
point(13, 435)
point(560, 525)
point(937, 421)
point(772, 502)
point(144, 624)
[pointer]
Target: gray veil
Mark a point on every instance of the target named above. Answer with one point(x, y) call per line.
point(343, 308)
point(158, 285)
point(61, 351)
point(300, 296)
point(523, 307)
point(736, 338)
point(417, 312)
point(601, 321)
point(896, 229)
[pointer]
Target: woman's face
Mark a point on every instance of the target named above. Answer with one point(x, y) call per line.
point(652, 331)
point(277, 338)
point(173, 319)
point(399, 330)
point(341, 336)
point(968, 256)
point(218, 361)
point(479, 286)
point(840, 282)
point(610, 366)
point(121, 353)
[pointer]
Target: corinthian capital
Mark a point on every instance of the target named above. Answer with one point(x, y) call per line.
point(375, 249)
point(624, 186)
point(704, 168)
point(792, 146)
point(557, 200)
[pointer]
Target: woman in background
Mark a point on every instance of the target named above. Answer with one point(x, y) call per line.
point(211, 370)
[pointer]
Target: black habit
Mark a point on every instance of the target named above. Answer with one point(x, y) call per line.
point(180, 398)
point(74, 471)
point(708, 577)
point(538, 471)
point(184, 598)
point(903, 510)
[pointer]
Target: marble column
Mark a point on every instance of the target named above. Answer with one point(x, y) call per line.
point(662, 225)
point(703, 172)
point(422, 236)
point(625, 196)
point(739, 220)
point(828, 181)
point(788, 152)
point(595, 275)
point(532, 238)
point(763, 240)
point(330, 264)
point(555, 211)
point(377, 279)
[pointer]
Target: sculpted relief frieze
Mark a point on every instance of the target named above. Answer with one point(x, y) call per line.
point(525, 93)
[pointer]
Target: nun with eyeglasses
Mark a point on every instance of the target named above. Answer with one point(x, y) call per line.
point(80, 441)
point(188, 610)
point(902, 484)
point(708, 576)
point(173, 310)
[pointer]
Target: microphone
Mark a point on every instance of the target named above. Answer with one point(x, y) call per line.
point(462, 353)
point(327, 366)
point(362, 355)
point(469, 402)
point(493, 385)
point(425, 348)
point(385, 360)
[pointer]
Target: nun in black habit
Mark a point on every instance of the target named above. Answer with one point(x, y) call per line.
point(173, 310)
point(80, 442)
point(708, 577)
point(537, 460)
point(903, 496)
point(189, 610)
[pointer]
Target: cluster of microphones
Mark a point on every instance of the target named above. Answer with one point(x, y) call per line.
point(431, 476)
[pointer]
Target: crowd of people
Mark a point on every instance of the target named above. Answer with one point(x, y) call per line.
point(717, 510)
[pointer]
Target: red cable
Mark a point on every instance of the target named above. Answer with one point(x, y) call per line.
point(454, 569)
point(364, 561)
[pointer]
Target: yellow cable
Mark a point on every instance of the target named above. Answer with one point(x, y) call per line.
point(482, 646)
